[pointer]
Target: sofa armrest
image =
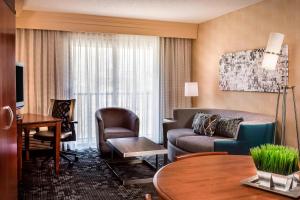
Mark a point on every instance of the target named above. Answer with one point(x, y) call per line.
point(168, 124)
point(250, 134)
point(183, 118)
point(232, 146)
point(256, 133)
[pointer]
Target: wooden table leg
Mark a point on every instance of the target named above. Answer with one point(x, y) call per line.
point(19, 149)
point(57, 147)
point(26, 131)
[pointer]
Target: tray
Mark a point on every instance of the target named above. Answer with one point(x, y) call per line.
point(254, 182)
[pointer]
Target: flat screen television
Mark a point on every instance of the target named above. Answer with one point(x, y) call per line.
point(20, 85)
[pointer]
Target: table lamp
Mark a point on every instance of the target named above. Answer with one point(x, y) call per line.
point(191, 89)
point(269, 62)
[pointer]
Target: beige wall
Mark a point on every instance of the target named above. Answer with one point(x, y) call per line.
point(247, 28)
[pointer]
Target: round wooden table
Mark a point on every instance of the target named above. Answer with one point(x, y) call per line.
point(209, 177)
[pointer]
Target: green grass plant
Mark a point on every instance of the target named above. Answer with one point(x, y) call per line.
point(275, 159)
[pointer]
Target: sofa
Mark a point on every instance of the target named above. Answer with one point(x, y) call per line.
point(179, 138)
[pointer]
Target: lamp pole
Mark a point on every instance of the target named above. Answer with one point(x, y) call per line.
point(271, 56)
point(284, 90)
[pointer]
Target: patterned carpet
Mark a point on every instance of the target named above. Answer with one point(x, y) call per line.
point(87, 179)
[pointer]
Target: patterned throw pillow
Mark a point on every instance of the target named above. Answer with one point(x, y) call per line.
point(227, 127)
point(205, 124)
point(198, 120)
point(210, 125)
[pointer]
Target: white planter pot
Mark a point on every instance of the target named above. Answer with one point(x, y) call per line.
point(277, 181)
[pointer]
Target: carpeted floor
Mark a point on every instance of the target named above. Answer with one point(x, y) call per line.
point(88, 179)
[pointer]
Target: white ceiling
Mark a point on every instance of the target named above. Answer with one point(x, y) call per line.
point(193, 11)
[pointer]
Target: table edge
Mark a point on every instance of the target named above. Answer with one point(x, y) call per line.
point(145, 153)
point(160, 192)
point(138, 153)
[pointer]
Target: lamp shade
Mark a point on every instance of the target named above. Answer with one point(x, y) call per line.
point(191, 89)
point(274, 43)
point(272, 52)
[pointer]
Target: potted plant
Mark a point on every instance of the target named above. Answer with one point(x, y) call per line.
point(276, 166)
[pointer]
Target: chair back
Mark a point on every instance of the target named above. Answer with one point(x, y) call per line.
point(64, 109)
point(116, 117)
point(61, 107)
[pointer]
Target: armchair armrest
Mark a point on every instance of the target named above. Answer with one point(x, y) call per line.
point(99, 129)
point(134, 124)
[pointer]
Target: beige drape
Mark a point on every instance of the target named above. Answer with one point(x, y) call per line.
point(175, 63)
point(49, 55)
point(46, 72)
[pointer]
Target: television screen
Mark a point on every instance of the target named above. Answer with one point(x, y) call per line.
point(19, 85)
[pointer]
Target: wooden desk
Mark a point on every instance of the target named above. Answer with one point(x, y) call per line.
point(33, 121)
point(209, 177)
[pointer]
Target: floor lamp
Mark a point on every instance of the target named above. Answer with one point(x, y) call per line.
point(269, 62)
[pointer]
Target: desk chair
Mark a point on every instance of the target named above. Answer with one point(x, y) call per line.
point(63, 109)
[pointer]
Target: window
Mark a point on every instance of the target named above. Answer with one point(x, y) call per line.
point(115, 70)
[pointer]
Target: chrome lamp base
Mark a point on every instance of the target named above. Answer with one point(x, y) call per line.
point(284, 90)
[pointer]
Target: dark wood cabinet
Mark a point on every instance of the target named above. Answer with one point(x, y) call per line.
point(8, 134)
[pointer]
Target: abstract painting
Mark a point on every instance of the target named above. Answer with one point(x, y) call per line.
point(242, 71)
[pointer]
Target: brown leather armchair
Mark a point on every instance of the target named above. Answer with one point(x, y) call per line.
point(115, 123)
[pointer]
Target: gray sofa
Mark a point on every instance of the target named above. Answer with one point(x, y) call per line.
point(179, 138)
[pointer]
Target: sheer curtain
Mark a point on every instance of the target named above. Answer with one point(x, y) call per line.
point(114, 70)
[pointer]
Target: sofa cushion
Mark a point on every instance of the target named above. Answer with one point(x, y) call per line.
point(227, 127)
point(199, 143)
point(117, 132)
point(173, 134)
